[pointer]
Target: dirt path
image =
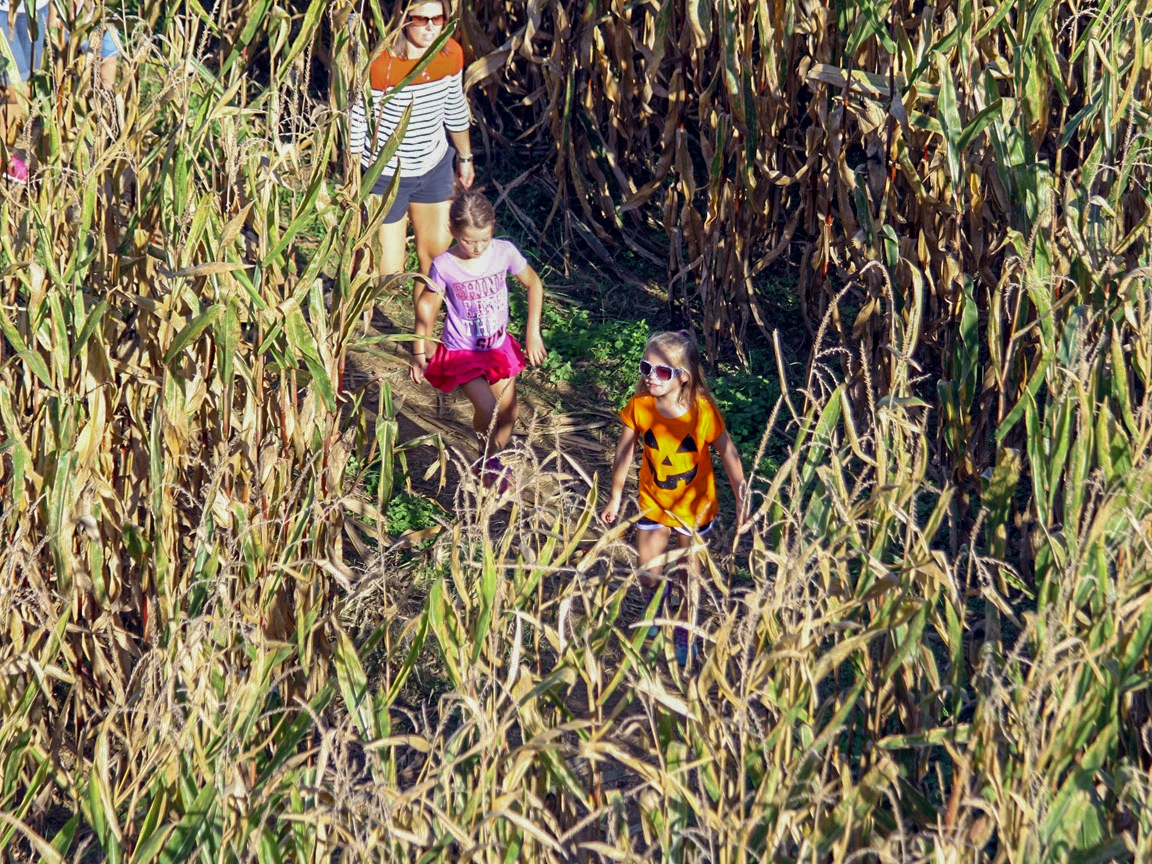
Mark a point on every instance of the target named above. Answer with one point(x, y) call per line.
point(580, 441)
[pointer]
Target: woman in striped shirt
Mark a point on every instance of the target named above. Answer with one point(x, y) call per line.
point(424, 159)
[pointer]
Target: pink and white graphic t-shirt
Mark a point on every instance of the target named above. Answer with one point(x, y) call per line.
point(477, 316)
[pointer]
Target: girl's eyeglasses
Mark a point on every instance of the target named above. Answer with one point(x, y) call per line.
point(425, 20)
point(658, 371)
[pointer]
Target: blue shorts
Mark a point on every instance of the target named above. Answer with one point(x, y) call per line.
point(28, 52)
point(434, 187)
point(24, 50)
point(109, 44)
point(646, 524)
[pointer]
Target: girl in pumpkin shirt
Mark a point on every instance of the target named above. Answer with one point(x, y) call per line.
point(674, 418)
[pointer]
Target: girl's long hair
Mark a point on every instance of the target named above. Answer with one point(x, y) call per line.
point(679, 348)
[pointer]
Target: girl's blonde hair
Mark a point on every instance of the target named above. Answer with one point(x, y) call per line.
point(679, 349)
point(400, 47)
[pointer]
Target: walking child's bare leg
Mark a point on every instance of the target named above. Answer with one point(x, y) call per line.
point(651, 543)
point(497, 399)
point(483, 408)
point(504, 393)
point(692, 562)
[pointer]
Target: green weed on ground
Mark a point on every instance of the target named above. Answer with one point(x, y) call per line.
point(409, 512)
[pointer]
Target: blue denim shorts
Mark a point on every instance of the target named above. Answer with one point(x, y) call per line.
point(28, 52)
point(435, 187)
point(18, 42)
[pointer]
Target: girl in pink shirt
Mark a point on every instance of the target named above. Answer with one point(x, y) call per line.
point(476, 351)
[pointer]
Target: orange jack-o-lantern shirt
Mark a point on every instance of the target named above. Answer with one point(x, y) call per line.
point(677, 484)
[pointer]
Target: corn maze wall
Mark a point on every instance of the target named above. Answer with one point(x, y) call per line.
point(935, 644)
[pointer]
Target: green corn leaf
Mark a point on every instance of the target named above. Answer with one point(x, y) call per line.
point(409, 663)
point(995, 19)
point(354, 685)
point(197, 813)
point(948, 113)
point(304, 36)
point(1118, 379)
point(36, 364)
point(906, 641)
point(304, 212)
point(257, 18)
point(1027, 399)
point(1037, 19)
point(268, 852)
point(978, 124)
point(998, 493)
point(959, 734)
point(1047, 469)
point(488, 584)
point(438, 613)
point(871, 24)
point(62, 841)
point(192, 331)
point(387, 431)
point(821, 436)
point(101, 810)
point(373, 172)
point(323, 383)
point(151, 835)
point(91, 322)
point(1049, 53)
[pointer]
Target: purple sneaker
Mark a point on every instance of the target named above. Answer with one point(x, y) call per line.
point(494, 473)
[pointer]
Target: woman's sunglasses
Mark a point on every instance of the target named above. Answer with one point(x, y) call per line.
point(658, 371)
point(425, 20)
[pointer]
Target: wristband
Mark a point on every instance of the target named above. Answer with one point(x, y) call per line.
point(464, 158)
point(418, 354)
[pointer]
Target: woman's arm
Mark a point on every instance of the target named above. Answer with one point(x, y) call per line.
point(458, 120)
point(465, 169)
point(427, 308)
point(730, 456)
point(533, 341)
point(620, 466)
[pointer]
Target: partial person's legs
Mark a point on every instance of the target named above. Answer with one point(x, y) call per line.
point(393, 250)
point(430, 226)
point(483, 407)
point(492, 399)
point(9, 113)
point(28, 54)
point(682, 642)
point(692, 563)
point(651, 543)
point(14, 165)
point(393, 246)
point(504, 393)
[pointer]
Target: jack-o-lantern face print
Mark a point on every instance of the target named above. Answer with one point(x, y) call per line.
point(671, 466)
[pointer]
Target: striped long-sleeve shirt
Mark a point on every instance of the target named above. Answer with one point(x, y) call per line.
point(437, 99)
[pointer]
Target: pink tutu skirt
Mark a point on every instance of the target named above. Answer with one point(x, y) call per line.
point(447, 369)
